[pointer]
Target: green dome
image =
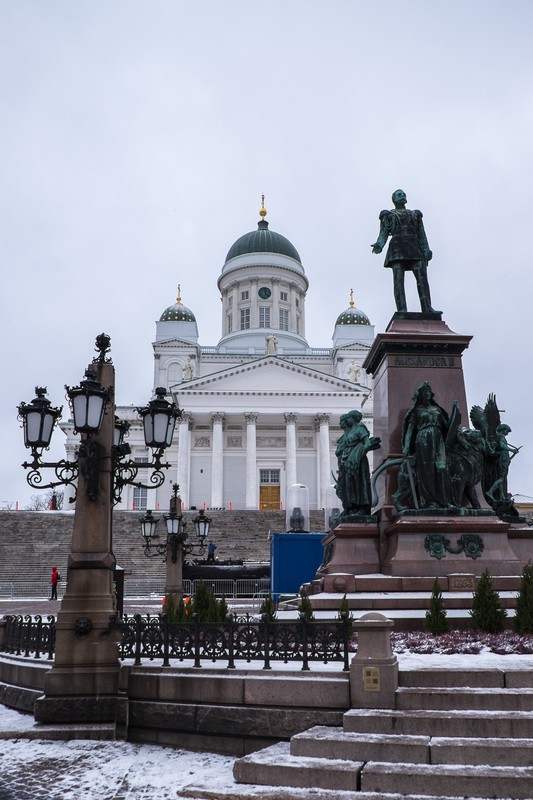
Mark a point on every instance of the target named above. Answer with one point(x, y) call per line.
point(352, 316)
point(263, 241)
point(177, 313)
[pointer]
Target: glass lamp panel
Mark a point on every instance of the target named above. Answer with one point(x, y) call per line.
point(160, 429)
point(170, 430)
point(148, 430)
point(33, 427)
point(48, 426)
point(79, 411)
point(95, 412)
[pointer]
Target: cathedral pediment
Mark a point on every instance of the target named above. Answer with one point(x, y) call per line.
point(268, 375)
point(174, 343)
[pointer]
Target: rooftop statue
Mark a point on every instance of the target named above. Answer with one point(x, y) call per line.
point(353, 480)
point(408, 250)
point(498, 456)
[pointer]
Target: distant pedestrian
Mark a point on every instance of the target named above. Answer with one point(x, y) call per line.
point(211, 547)
point(56, 577)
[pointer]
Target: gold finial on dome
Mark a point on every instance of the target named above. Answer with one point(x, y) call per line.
point(262, 210)
point(178, 298)
point(352, 304)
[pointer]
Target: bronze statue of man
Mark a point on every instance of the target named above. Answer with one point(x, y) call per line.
point(408, 250)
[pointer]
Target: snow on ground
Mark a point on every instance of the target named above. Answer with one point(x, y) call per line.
point(94, 770)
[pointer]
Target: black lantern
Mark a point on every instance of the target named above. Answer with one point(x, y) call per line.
point(201, 524)
point(174, 520)
point(121, 429)
point(88, 402)
point(148, 525)
point(38, 419)
point(159, 420)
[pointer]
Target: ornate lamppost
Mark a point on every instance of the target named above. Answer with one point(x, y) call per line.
point(83, 682)
point(175, 545)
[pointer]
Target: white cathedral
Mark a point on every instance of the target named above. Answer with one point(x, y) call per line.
point(261, 408)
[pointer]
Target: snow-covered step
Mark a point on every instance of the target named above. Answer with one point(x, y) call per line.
point(448, 780)
point(490, 752)
point(446, 698)
point(275, 766)
point(331, 743)
point(480, 678)
point(469, 723)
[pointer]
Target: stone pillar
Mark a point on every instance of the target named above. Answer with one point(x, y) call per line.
point(254, 305)
point(290, 469)
point(217, 460)
point(184, 457)
point(374, 669)
point(251, 460)
point(325, 469)
point(274, 319)
point(69, 494)
point(82, 685)
point(174, 571)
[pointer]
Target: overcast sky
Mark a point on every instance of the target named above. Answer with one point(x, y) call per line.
point(136, 138)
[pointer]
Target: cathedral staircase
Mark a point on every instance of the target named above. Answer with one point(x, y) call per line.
point(452, 734)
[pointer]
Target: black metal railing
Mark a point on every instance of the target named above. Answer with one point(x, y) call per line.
point(30, 636)
point(236, 639)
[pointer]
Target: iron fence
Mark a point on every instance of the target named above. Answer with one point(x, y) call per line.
point(237, 638)
point(141, 587)
point(29, 636)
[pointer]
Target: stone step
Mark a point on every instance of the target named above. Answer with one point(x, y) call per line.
point(489, 752)
point(479, 699)
point(463, 724)
point(441, 678)
point(96, 731)
point(332, 743)
point(329, 742)
point(448, 780)
point(274, 766)
point(277, 767)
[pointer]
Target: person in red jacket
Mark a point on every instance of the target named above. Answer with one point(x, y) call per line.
point(56, 577)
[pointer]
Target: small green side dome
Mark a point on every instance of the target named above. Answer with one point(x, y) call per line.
point(177, 312)
point(352, 315)
point(263, 241)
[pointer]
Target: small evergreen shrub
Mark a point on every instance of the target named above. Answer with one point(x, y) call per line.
point(268, 608)
point(436, 622)
point(175, 611)
point(206, 606)
point(487, 612)
point(304, 606)
point(523, 622)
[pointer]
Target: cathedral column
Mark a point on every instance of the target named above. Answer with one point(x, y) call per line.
point(254, 306)
point(290, 433)
point(274, 319)
point(184, 457)
point(251, 460)
point(293, 294)
point(217, 460)
point(325, 470)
